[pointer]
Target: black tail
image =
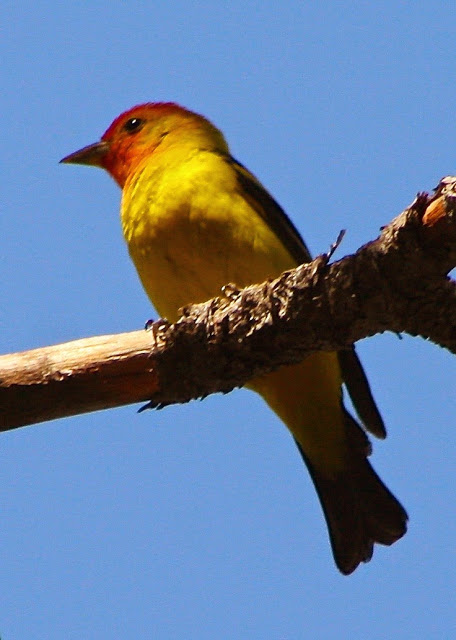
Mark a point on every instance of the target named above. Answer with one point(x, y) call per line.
point(359, 510)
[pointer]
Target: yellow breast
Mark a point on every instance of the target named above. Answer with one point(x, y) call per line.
point(190, 231)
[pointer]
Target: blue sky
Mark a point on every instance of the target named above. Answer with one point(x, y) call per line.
point(200, 521)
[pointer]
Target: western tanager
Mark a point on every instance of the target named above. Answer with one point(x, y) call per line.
point(195, 219)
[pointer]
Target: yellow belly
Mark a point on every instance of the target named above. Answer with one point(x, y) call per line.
point(188, 240)
point(186, 243)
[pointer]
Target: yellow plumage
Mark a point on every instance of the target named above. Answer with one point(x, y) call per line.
point(194, 219)
point(195, 234)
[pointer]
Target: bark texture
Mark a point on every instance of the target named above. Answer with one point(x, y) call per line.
point(398, 282)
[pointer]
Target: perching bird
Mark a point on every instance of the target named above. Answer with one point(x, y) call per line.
point(195, 219)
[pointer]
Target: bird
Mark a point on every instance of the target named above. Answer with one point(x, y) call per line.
point(195, 219)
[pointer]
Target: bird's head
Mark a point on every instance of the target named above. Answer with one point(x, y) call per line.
point(145, 130)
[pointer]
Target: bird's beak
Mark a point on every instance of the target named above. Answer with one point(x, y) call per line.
point(92, 155)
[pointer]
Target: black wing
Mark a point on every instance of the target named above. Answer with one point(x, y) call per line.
point(275, 217)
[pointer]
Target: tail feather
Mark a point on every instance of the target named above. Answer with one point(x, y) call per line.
point(359, 510)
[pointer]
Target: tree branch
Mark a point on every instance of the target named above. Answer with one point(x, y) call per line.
point(397, 283)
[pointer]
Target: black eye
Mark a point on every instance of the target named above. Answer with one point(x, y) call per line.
point(134, 124)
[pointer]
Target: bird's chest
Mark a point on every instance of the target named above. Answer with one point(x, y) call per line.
point(183, 250)
point(190, 231)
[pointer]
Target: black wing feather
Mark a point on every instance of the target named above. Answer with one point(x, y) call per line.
point(275, 217)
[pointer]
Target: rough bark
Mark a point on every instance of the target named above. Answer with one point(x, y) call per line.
point(398, 282)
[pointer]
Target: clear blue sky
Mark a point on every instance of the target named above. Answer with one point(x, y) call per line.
point(200, 521)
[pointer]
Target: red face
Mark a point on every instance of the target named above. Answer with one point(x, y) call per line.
point(131, 136)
